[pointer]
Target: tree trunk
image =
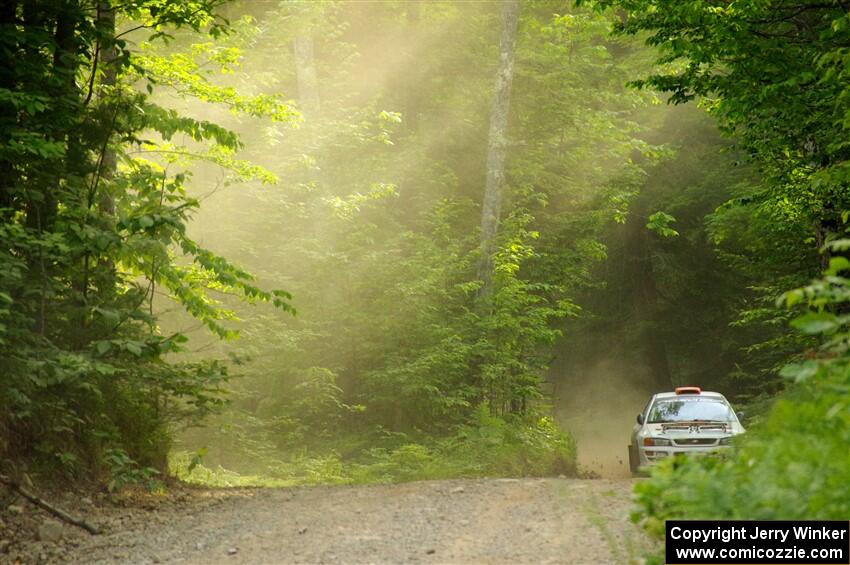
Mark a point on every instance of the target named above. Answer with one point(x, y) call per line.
point(8, 113)
point(41, 212)
point(108, 62)
point(98, 189)
point(305, 72)
point(496, 145)
point(412, 86)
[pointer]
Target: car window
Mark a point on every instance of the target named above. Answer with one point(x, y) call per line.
point(689, 410)
point(645, 411)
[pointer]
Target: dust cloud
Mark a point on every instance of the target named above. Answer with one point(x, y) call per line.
point(598, 404)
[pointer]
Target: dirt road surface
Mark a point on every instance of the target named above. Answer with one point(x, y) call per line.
point(472, 521)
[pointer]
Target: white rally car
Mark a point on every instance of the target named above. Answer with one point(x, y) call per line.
point(687, 420)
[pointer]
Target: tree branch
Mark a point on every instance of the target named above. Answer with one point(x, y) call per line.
point(58, 512)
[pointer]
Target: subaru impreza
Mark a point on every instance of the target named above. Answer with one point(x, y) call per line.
point(685, 421)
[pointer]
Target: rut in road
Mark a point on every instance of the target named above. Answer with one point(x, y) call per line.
point(466, 521)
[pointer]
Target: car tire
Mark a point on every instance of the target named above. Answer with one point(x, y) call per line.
point(633, 460)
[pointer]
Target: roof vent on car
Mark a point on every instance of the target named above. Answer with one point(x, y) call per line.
point(688, 390)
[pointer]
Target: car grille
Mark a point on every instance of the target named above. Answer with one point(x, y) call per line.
point(696, 427)
point(695, 441)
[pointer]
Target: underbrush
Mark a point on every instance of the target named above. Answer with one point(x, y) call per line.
point(488, 446)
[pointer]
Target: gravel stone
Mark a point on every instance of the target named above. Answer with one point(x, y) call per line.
point(50, 531)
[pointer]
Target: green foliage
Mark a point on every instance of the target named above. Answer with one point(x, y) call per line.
point(94, 226)
point(783, 118)
point(659, 222)
point(487, 446)
point(796, 110)
point(125, 471)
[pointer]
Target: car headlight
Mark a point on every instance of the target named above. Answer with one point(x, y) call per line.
point(656, 441)
point(726, 440)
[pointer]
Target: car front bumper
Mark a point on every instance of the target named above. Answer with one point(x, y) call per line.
point(649, 455)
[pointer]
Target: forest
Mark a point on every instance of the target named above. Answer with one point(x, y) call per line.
point(285, 243)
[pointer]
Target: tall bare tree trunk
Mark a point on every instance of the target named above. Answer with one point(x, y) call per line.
point(305, 72)
point(412, 86)
point(496, 144)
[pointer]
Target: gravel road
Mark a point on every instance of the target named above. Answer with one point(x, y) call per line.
point(469, 521)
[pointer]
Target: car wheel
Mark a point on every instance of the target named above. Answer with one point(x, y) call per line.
point(633, 460)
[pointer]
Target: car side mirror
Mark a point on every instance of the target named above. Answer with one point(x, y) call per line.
point(640, 419)
point(741, 415)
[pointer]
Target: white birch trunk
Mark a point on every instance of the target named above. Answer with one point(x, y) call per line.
point(497, 144)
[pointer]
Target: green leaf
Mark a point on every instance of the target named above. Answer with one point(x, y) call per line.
point(815, 323)
point(792, 297)
point(799, 372)
point(839, 245)
point(659, 222)
point(111, 316)
point(838, 264)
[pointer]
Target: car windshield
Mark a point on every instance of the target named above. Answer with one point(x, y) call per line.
point(690, 410)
